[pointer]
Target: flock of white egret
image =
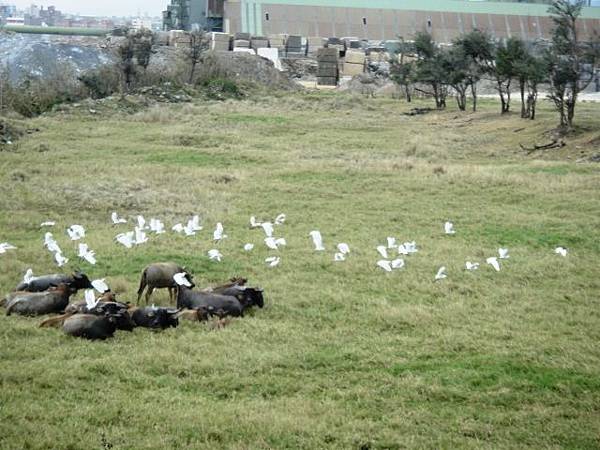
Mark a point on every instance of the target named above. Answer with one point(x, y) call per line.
point(392, 253)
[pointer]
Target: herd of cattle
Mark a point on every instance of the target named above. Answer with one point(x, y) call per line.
point(99, 318)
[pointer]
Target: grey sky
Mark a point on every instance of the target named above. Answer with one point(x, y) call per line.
point(100, 7)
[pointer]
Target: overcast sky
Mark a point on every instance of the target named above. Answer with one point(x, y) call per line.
point(100, 7)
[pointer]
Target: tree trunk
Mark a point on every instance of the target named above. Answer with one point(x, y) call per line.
point(524, 109)
point(461, 98)
point(407, 93)
point(474, 94)
point(192, 72)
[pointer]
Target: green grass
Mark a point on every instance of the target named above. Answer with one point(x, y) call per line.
point(343, 355)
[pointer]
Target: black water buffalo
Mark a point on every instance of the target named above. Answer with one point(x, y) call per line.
point(54, 300)
point(90, 326)
point(155, 317)
point(77, 281)
point(213, 304)
point(247, 296)
point(159, 276)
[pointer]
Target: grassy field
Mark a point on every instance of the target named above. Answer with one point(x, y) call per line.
point(343, 355)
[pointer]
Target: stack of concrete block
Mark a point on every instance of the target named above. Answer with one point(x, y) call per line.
point(242, 36)
point(278, 41)
point(241, 43)
point(338, 44)
point(220, 42)
point(354, 44)
point(272, 54)
point(354, 63)
point(179, 38)
point(259, 42)
point(293, 44)
point(314, 43)
point(328, 72)
point(162, 38)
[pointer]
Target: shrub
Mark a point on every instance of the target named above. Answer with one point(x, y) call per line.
point(221, 89)
point(101, 82)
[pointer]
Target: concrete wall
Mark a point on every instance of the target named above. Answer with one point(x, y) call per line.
point(386, 19)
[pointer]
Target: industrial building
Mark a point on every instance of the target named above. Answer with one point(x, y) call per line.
point(377, 19)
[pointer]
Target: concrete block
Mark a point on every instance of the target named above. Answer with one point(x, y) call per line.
point(327, 81)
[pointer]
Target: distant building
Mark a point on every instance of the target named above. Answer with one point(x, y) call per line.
point(38, 16)
point(15, 21)
point(194, 14)
point(7, 11)
point(388, 19)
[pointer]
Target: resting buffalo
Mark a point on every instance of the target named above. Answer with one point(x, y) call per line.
point(247, 296)
point(106, 307)
point(90, 326)
point(77, 281)
point(213, 304)
point(155, 318)
point(39, 303)
point(158, 276)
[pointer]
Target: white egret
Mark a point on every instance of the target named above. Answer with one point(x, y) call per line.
point(87, 254)
point(6, 246)
point(493, 261)
point(140, 236)
point(76, 232)
point(215, 255)
point(254, 223)
point(194, 223)
point(248, 247)
point(391, 242)
point(141, 222)
point(126, 239)
point(60, 259)
point(116, 219)
point(280, 219)
point(272, 261)
point(472, 265)
point(561, 251)
point(47, 224)
point(382, 251)
point(28, 277)
point(218, 233)
point(177, 228)
point(270, 242)
point(397, 263)
point(385, 265)
point(181, 279)
point(441, 273)
point(100, 285)
point(157, 226)
point(449, 228)
point(317, 240)
point(267, 228)
point(90, 299)
point(343, 248)
point(503, 252)
point(339, 257)
point(411, 247)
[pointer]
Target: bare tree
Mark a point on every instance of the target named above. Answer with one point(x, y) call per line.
point(570, 60)
point(199, 44)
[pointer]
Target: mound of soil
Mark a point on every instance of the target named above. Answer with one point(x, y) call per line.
point(254, 69)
